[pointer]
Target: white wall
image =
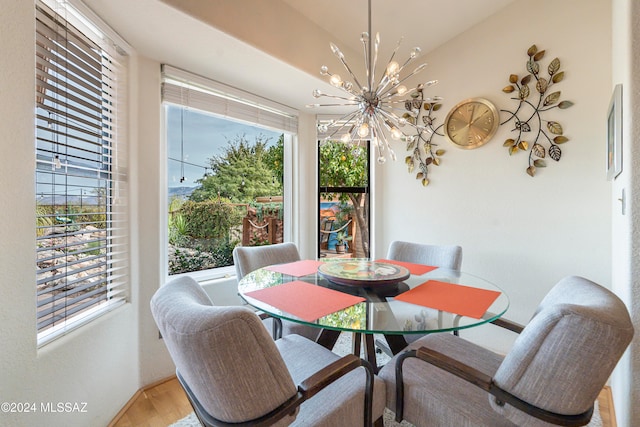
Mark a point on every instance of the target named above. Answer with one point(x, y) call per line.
point(155, 362)
point(626, 269)
point(522, 233)
point(97, 364)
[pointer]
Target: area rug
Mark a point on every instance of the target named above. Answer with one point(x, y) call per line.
point(343, 347)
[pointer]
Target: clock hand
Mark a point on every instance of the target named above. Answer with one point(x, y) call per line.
point(479, 117)
point(473, 110)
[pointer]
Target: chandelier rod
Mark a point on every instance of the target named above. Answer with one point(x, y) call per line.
point(370, 50)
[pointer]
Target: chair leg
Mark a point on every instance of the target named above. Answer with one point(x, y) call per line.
point(328, 338)
point(379, 422)
point(277, 328)
point(356, 342)
point(370, 352)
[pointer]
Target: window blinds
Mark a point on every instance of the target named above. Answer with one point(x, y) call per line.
point(81, 225)
point(184, 88)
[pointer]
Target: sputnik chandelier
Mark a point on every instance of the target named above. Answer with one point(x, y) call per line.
point(377, 103)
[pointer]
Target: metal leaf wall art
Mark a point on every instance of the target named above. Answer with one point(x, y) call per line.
point(535, 134)
point(424, 151)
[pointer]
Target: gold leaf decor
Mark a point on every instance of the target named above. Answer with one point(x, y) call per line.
point(423, 150)
point(534, 132)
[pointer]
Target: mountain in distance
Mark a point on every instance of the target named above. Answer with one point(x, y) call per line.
point(183, 192)
point(91, 200)
point(62, 200)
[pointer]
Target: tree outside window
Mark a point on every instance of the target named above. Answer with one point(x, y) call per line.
point(344, 188)
point(218, 171)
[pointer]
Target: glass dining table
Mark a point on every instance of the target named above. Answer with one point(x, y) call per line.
point(392, 300)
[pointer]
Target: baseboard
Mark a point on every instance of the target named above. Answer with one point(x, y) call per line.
point(135, 397)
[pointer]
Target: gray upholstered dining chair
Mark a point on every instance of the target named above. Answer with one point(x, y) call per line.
point(234, 373)
point(251, 258)
point(551, 376)
point(443, 256)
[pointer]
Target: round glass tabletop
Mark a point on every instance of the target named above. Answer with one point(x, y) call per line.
point(381, 311)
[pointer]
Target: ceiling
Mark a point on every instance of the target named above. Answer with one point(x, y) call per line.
point(423, 23)
point(258, 55)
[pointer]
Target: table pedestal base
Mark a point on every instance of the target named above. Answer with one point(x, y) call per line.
point(397, 343)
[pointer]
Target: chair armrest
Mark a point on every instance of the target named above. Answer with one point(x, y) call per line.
point(455, 367)
point(508, 324)
point(486, 383)
point(503, 323)
point(312, 385)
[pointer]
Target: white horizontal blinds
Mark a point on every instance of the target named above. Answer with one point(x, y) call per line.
point(183, 88)
point(80, 182)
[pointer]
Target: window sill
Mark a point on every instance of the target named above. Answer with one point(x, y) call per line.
point(208, 275)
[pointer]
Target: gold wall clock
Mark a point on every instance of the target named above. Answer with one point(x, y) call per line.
point(471, 123)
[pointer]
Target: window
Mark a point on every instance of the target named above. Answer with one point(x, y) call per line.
point(225, 172)
point(343, 199)
point(81, 226)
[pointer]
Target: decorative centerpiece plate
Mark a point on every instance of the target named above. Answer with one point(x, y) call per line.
point(363, 273)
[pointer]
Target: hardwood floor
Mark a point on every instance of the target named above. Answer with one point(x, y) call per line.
point(159, 405)
point(164, 403)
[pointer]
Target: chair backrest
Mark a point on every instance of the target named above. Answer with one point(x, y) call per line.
point(251, 258)
point(444, 256)
point(224, 354)
point(566, 353)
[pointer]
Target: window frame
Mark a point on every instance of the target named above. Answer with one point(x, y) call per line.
point(337, 189)
point(230, 103)
point(72, 18)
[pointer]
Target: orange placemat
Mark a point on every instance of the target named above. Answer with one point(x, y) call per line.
point(304, 300)
point(415, 269)
point(458, 299)
point(297, 268)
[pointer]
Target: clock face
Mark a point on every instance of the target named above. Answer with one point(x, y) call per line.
point(471, 123)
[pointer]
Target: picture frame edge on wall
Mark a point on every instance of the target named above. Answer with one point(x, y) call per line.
point(614, 134)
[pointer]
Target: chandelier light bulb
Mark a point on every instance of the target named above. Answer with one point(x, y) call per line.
point(392, 68)
point(396, 133)
point(415, 52)
point(317, 93)
point(336, 80)
point(324, 70)
point(363, 130)
point(346, 138)
point(402, 89)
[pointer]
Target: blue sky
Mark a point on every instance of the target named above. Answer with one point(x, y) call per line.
point(204, 136)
